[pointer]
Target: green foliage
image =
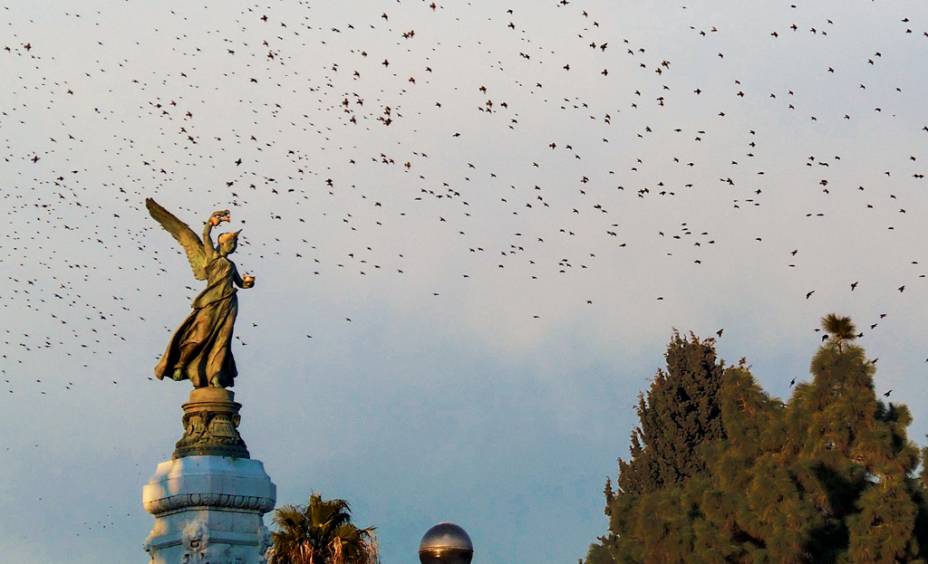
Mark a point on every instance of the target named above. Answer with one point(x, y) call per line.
point(320, 532)
point(680, 412)
point(827, 477)
point(882, 530)
point(840, 328)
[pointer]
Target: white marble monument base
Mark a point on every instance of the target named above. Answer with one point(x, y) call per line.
point(208, 510)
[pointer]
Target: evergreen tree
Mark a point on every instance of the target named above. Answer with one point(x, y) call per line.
point(828, 477)
point(855, 456)
point(680, 412)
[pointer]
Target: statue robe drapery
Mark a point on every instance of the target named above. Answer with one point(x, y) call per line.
point(201, 347)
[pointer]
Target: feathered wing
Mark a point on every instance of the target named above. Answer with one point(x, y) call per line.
point(184, 235)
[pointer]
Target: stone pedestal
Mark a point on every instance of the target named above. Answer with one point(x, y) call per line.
point(209, 507)
point(211, 425)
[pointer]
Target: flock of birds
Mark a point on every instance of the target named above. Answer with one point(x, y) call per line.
point(429, 145)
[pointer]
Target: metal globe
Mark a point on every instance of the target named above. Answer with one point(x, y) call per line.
point(446, 543)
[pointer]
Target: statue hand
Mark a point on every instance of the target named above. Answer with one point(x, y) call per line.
point(248, 281)
point(219, 216)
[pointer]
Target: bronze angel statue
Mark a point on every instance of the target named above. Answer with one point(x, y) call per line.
point(201, 348)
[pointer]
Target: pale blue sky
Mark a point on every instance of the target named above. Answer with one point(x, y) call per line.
point(502, 402)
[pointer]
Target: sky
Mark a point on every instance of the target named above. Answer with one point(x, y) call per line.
point(474, 227)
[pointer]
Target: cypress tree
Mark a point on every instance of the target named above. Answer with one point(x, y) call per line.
point(680, 412)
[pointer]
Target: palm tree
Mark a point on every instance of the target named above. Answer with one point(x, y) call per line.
point(320, 532)
point(841, 328)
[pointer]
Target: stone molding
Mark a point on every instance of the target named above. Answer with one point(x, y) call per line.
point(211, 500)
point(215, 538)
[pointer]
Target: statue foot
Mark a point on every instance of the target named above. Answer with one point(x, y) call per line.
point(178, 374)
point(214, 382)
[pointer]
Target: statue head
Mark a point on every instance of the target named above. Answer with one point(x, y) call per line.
point(228, 242)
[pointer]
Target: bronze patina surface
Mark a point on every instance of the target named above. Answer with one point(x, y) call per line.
point(211, 425)
point(201, 348)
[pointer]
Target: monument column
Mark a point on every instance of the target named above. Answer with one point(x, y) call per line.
point(210, 498)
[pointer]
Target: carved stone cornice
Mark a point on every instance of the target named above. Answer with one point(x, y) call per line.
point(210, 500)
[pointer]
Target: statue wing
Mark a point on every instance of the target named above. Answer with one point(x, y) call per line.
point(184, 235)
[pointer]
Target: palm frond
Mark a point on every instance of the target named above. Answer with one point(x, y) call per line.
point(321, 532)
point(839, 327)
